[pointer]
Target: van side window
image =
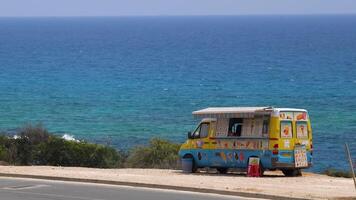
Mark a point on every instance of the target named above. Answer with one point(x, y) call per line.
point(265, 127)
point(202, 131)
point(235, 127)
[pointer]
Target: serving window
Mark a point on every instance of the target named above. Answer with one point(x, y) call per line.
point(235, 127)
point(242, 127)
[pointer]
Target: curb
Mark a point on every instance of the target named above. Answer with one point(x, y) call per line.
point(155, 186)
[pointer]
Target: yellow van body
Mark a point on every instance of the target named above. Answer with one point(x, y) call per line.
point(228, 137)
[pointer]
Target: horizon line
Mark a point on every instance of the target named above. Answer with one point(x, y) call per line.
point(190, 15)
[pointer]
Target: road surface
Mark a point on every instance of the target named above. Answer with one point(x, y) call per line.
point(32, 189)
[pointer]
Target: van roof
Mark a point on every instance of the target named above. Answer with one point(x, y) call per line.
point(240, 111)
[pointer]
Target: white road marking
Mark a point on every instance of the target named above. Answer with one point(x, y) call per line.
point(23, 187)
point(49, 195)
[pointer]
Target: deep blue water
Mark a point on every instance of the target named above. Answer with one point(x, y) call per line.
point(127, 79)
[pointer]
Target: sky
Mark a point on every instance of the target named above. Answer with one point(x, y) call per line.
point(19, 8)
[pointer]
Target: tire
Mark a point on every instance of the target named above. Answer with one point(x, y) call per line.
point(194, 167)
point(292, 172)
point(222, 170)
point(262, 170)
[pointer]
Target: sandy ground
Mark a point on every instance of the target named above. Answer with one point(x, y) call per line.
point(310, 186)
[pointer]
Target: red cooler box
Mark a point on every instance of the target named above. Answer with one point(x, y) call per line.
point(253, 169)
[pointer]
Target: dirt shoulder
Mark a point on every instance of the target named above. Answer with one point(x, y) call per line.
point(273, 185)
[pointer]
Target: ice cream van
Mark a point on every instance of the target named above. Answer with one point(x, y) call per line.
point(228, 137)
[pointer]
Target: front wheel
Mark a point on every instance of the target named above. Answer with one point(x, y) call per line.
point(188, 164)
point(292, 172)
point(194, 167)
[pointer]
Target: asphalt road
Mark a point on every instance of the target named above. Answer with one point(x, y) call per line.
point(32, 189)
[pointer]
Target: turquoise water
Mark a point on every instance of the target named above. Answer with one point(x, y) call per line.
point(124, 80)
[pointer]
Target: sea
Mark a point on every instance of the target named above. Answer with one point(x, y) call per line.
point(124, 80)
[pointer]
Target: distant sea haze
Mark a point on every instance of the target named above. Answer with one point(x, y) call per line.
point(124, 80)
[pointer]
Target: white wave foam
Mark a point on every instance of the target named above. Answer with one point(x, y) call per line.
point(69, 137)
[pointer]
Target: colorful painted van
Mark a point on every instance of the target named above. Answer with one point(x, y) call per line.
point(228, 137)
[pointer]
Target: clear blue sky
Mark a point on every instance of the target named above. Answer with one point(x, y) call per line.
point(172, 7)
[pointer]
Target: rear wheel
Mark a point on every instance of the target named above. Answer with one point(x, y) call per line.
point(292, 172)
point(222, 170)
point(262, 170)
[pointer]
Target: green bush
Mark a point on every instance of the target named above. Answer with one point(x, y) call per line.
point(58, 151)
point(35, 134)
point(3, 149)
point(9, 149)
point(23, 151)
point(36, 146)
point(338, 173)
point(159, 154)
point(3, 153)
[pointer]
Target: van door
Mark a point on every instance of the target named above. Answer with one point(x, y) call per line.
point(302, 143)
point(294, 138)
point(286, 145)
point(286, 134)
point(200, 143)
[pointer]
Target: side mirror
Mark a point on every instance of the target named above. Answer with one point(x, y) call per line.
point(190, 135)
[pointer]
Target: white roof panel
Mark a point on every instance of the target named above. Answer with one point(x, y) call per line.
point(290, 110)
point(228, 112)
